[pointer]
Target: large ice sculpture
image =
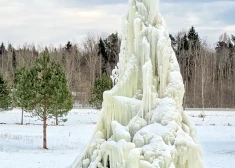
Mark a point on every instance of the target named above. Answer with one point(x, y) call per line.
point(142, 124)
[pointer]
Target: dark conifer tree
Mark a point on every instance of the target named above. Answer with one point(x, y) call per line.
point(4, 94)
point(14, 60)
point(2, 49)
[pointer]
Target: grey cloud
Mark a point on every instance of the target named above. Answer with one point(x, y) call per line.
point(210, 18)
point(57, 21)
point(227, 17)
point(193, 1)
point(90, 3)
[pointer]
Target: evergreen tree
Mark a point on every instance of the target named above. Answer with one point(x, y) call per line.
point(4, 94)
point(49, 93)
point(224, 43)
point(193, 37)
point(63, 97)
point(13, 60)
point(23, 94)
point(185, 42)
point(2, 49)
point(101, 84)
point(220, 46)
point(108, 50)
point(34, 51)
point(104, 55)
point(9, 48)
point(68, 46)
point(233, 39)
point(182, 43)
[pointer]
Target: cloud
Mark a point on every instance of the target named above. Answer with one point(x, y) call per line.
point(211, 18)
point(57, 21)
point(42, 23)
point(92, 3)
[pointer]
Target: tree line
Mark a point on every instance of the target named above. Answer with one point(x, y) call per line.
point(83, 63)
point(208, 72)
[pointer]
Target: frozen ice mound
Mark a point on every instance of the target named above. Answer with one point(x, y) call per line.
point(142, 122)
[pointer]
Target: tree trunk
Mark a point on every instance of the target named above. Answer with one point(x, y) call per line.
point(44, 129)
point(22, 117)
point(56, 119)
point(195, 79)
point(202, 93)
point(184, 99)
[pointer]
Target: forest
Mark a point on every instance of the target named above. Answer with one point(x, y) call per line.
point(208, 72)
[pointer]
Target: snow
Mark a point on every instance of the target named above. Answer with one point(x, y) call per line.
point(21, 146)
point(217, 136)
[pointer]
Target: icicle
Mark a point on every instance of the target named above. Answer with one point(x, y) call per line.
point(142, 122)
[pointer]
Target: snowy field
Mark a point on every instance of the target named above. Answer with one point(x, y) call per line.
point(21, 146)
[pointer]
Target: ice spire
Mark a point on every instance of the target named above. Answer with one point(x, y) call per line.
point(142, 123)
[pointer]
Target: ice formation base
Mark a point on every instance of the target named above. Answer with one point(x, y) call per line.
point(142, 122)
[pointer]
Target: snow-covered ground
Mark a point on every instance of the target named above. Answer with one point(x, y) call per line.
point(21, 146)
point(217, 137)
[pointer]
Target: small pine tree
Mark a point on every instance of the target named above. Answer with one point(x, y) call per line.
point(48, 91)
point(63, 102)
point(23, 91)
point(4, 94)
point(101, 84)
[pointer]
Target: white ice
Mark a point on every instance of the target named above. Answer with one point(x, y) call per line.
point(142, 122)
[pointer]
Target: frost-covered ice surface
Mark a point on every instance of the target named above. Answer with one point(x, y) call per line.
point(142, 122)
point(20, 146)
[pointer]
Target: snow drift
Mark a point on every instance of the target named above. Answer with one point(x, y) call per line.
point(142, 122)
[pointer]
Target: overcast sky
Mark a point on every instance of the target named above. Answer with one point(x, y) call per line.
point(55, 22)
